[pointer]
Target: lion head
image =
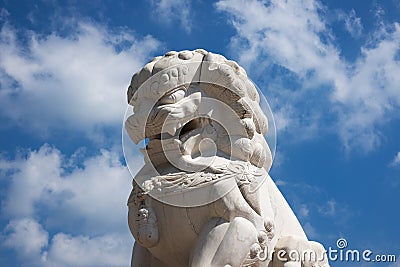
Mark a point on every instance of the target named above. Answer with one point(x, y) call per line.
point(195, 108)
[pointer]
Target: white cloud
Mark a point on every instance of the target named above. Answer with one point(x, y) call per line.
point(27, 237)
point(310, 231)
point(358, 97)
point(169, 10)
point(352, 23)
point(396, 160)
point(287, 30)
point(329, 209)
point(304, 211)
point(3, 14)
point(31, 241)
point(280, 182)
point(107, 250)
point(370, 96)
point(93, 195)
point(76, 81)
point(340, 211)
point(87, 201)
point(67, 211)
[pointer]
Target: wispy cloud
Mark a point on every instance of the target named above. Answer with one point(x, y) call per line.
point(92, 195)
point(292, 49)
point(167, 11)
point(280, 182)
point(76, 81)
point(310, 231)
point(338, 210)
point(304, 211)
point(352, 23)
point(396, 160)
point(3, 14)
point(329, 209)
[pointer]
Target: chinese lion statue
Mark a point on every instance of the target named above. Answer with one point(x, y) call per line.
point(204, 197)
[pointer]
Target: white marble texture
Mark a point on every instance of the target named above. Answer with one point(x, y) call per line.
point(204, 196)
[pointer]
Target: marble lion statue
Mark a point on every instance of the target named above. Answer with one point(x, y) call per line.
point(204, 197)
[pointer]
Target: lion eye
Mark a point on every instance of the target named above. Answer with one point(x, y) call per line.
point(173, 97)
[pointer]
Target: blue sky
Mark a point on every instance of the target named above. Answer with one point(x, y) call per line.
point(330, 71)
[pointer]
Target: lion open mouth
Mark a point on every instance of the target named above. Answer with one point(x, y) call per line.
point(193, 128)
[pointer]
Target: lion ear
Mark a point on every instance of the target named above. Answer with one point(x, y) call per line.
point(139, 78)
